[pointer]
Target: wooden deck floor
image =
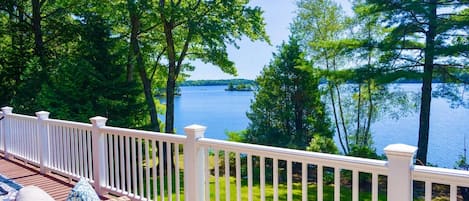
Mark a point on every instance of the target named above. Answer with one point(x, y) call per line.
point(56, 186)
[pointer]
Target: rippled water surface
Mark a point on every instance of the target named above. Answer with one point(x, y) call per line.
point(223, 111)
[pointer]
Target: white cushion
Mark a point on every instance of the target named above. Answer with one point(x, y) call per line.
point(32, 193)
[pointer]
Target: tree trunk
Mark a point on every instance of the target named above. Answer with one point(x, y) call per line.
point(171, 81)
point(370, 114)
point(299, 113)
point(134, 43)
point(366, 129)
point(341, 112)
point(286, 106)
point(359, 105)
point(38, 40)
point(149, 99)
point(130, 66)
point(174, 62)
point(17, 31)
point(172, 74)
point(170, 87)
point(424, 125)
point(345, 147)
point(336, 119)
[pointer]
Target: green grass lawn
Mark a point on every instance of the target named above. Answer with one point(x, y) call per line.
point(328, 190)
point(328, 194)
point(345, 193)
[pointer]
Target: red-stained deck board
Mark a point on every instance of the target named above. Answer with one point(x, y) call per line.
point(56, 186)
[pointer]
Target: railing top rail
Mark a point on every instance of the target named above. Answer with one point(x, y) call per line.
point(144, 134)
point(441, 175)
point(22, 116)
point(69, 123)
point(298, 155)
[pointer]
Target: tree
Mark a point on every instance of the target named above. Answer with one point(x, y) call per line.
point(287, 110)
point(62, 56)
point(37, 32)
point(16, 49)
point(137, 59)
point(321, 25)
point(93, 82)
point(345, 50)
point(230, 87)
point(422, 40)
point(202, 30)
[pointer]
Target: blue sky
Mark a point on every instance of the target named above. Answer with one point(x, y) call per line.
point(251, 57)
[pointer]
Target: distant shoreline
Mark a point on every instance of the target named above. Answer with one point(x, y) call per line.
point(222, 82)
point(217, 82)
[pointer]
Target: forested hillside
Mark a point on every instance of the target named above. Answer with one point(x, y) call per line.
point(216, 82)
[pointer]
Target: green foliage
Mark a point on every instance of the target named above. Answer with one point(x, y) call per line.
point(34, 34)
point(323, 29)
point(93, 82)
point(347, 51)
point(236, 136)
point(63, 59)
point(462, 163)
point(319, 24)
point(239, 87)
point(16, 52)
point(202, 30)
point(364, 152)
point(408, 24)
point(424, 37)
point(230, 87)
point(287, 110)
point(322, 144)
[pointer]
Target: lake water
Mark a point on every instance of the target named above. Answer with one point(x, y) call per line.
point(223, 111)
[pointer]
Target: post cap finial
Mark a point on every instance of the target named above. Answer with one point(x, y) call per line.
point(7, 110)
point(400, 150)
point(42, 115)
point(98, 121)
point(195, 130)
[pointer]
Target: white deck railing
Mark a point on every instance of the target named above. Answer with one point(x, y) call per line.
point(130, 162)
point(2, 140)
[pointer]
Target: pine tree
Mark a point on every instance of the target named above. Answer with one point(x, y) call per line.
point(424, 40)
point(93, 82)
point(287, 110)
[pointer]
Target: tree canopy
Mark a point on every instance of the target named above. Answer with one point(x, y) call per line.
point(80, 58)
point(287, 110)
point(428, 38)
point(202, 30)
point(111, 48)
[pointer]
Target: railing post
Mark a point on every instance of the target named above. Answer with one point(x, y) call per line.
point(1, 129)
point(6, 130)
point(400, 164)
point(43, 130)
point(194, 162)
point(98, 150)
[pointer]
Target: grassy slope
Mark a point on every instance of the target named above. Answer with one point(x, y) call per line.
point(346, 193)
